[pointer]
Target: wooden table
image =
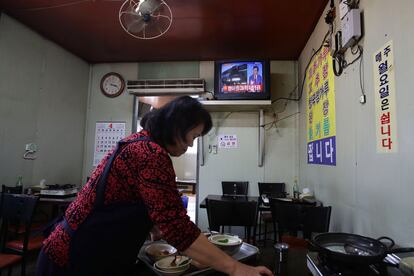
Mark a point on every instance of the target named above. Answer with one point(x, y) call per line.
point(58, 204)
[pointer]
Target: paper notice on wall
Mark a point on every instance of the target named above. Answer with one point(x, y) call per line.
point(385, 107)
point(107, 135)
point(227, 141)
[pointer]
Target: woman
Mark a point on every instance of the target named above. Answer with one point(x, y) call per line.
point(131, 191)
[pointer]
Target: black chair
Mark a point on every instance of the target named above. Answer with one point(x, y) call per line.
point(222, 213)
point(272, 189)
point(288, 216)
point(35, 241)
point(292, 217)
point(17, 210)
point(267, 190)
point(316, 220)
point(235, 188)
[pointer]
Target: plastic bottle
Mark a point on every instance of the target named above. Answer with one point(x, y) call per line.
point(295, 189)
point(19, 182)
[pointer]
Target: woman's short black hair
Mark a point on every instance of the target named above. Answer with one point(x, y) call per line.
point(175, 119)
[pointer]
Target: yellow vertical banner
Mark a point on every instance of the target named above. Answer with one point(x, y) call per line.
point(320, 110)
point(385, 107)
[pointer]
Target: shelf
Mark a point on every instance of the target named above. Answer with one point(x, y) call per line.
point(236, 105)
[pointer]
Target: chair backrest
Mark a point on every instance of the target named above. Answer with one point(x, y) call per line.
point(272, 189)
point(294, 216)
point(231, 213)
point(316, 220)
point(17, 210)
point(11, 189)
point(235, 187)
point(287, 215)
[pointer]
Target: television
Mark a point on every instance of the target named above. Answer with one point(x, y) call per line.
point(242, 80)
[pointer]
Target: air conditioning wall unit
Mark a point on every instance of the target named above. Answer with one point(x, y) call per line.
point(166, 87)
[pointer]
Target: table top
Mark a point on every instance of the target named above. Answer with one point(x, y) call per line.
point(295, 266)
point(228, 198)
point(57, 199)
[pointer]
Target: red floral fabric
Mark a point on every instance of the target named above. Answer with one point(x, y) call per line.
point(143, 172)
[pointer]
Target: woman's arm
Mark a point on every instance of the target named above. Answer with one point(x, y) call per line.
point(208, 254)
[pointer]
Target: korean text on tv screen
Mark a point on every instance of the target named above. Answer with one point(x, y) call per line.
point(241, 77)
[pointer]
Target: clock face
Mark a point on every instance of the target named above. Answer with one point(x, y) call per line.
point(112, 85)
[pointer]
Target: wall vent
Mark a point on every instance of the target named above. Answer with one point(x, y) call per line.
point(166, 87)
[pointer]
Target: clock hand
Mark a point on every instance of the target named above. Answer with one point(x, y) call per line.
point(114, 85)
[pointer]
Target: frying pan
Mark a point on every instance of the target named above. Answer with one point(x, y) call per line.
point(354, 249)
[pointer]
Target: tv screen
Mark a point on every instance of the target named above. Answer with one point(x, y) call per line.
point(242, 80)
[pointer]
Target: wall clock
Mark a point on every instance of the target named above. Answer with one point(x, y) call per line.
point(112, 84)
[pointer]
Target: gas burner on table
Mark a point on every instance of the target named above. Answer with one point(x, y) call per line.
point(318, 265)
point(59, 190)
point(60, 186)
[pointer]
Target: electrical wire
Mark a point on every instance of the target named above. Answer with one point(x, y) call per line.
point(306, 69)
point(278, 120)
point(361, 72)
point(360, 50)
point(219, 123)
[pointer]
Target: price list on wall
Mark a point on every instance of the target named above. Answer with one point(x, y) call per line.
point(107, 135)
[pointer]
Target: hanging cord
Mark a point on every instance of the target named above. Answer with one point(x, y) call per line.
point(306, 69)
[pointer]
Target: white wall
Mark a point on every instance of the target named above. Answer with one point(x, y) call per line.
point(102, 108)
point(371, 194)
point(43, 92)
point(280, 157)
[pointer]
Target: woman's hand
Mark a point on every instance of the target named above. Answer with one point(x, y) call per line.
point(155, 233)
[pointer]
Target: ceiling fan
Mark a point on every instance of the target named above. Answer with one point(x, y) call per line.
point(145, 19)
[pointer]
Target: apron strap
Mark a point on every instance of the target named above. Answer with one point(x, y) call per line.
point(101, 184)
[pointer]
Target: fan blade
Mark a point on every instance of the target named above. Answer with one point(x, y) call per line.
point(149, 6)
point(152, 30)
point(136, 26)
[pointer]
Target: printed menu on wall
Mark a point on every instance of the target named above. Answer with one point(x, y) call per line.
point(107, 134)
point(320, 110)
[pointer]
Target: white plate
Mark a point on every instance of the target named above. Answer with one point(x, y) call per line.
point(231, 240)
point(171, 273)
point(284, 199)
point(182, 263)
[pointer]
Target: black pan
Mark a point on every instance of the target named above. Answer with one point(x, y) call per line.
point(354, 249)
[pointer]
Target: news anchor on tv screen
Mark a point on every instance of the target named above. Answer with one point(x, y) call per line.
point(242, 80)
point(255, 78)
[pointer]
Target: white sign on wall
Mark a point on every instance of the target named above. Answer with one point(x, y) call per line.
point(227, 141)
point(107, 135)
point(385, 107)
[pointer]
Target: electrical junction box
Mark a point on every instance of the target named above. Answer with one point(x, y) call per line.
point(351, 28)
point(343, 9)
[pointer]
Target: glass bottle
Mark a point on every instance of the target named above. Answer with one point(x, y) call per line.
point(19, 182)
point(295, 189)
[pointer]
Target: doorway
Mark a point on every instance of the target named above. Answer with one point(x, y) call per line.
point(185, 167)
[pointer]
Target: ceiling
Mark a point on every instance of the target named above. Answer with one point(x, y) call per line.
point(201, 29)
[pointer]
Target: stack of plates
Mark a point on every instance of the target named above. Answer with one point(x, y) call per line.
point(167, 265)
